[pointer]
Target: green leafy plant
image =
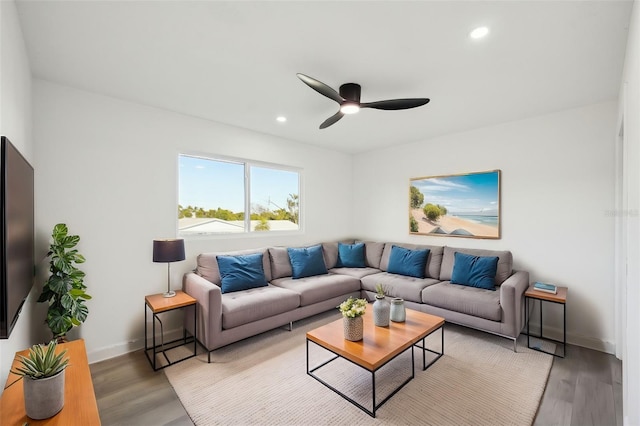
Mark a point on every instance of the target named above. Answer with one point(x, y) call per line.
point(42, 362)
point(65, 289)
point(352, 308)
point(380, 291)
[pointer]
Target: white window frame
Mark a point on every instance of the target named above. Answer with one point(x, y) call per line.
point(247, 163)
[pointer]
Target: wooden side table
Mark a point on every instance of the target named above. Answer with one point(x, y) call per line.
point(541, 296)
point(158, 304)
point(80, 407)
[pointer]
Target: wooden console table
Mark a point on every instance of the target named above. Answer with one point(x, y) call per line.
point(80, 407)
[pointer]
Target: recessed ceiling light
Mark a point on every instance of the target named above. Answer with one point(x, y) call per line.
point(479, 32)
point(281, 119)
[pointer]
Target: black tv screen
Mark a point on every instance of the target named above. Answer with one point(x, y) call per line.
point(16, 235)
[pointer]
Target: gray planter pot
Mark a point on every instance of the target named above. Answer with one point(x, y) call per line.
point(44, 398)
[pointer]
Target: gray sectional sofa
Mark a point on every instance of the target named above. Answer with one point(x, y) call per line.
point(224, 318)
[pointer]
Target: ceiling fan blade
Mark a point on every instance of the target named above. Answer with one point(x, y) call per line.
point(393, 104)
point(332, 120)
point(321, 88)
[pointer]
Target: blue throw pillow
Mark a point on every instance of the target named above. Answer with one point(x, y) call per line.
point(474, 271)
point(307, 261)
point(351, 255)
point(407, 262)
point(241, 272)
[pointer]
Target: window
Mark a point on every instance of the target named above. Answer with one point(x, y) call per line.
point(226, 196)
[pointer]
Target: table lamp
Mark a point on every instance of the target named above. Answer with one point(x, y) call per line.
point(167, 251)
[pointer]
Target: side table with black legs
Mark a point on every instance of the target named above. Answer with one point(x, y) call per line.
point(559, 298)
point(157, 304)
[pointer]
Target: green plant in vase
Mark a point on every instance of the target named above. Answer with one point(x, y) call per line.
point(380, 291)
point(43, 373)
point(64, 291)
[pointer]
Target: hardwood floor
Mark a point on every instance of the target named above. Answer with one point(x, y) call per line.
point(585, 388)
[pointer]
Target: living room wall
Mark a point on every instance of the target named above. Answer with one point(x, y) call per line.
point(108, 168)
point(557, 190)
point(15, 123)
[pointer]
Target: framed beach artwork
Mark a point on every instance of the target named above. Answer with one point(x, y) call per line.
point(464, 205)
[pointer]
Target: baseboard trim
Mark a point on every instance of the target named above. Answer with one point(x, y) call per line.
point(113, 351)
point(576, 339)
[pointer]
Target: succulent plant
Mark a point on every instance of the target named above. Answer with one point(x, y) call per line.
point(379, 291)
point(42, 362)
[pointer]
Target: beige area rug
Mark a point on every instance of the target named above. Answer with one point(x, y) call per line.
point(263, 381)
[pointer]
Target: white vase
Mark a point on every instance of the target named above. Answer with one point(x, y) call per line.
point(44, 398)
point(381, 312)
point(398, 312)
point(353, 328)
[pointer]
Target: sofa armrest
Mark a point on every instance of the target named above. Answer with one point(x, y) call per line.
point(209, 300)
point(511, 300)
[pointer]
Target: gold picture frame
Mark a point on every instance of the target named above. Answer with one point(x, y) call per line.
point(460, 205)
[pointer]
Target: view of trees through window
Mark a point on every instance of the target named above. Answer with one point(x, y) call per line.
point(220, 196)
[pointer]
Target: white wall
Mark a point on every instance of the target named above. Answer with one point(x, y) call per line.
point(630, 112)
point(108, 168)
point(557, 194)
point(15, 123)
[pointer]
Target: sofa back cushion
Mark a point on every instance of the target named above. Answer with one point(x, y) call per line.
point(280, 263)
point(372, 253)
point(434, 260)
point(207, 264)
point(504, 269)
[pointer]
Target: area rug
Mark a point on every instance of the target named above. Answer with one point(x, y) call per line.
point(263, 381)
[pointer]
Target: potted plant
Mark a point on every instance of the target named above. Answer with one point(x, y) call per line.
point(352, 311)
point(43, 374)
point(65, 289)
point(381, 308)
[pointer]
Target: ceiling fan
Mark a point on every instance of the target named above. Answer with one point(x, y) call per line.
point(349, 99)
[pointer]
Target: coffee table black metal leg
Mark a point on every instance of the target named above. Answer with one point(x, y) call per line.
point(425, 349)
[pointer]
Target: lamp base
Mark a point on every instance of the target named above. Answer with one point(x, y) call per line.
point(169, 293)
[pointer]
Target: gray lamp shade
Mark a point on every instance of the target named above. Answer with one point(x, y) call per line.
point(168, 250)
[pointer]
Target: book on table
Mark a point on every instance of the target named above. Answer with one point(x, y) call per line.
point(548, 288)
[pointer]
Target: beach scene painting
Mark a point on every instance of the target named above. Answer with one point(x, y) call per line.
point(464, 205)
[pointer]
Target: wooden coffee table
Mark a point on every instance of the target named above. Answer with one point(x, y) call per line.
point(379, 346)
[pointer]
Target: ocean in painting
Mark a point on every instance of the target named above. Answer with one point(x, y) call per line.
point(485, 220)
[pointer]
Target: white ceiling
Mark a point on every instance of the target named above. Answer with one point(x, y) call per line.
point(235, 62)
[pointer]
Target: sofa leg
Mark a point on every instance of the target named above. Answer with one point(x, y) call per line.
point(515, 342)
point(290, 325)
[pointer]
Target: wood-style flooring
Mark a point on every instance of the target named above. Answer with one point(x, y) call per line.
point(585, 388)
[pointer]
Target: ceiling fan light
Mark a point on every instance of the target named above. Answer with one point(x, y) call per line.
point(349, 108)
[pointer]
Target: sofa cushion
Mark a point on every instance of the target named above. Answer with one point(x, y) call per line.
point(434, 260)
point(409, 288)
point(241, 272)
point(351, 255)
point(373, 253)
point(473, 301)
point(307, 261)
point(355, 272)
point(408, 262)
point(242, 307)
point(319, 288)
point(280, 263)
point(475, 271)
point(207, 264)
point(503, 271)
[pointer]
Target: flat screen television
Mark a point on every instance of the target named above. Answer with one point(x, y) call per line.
point(17, 233)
